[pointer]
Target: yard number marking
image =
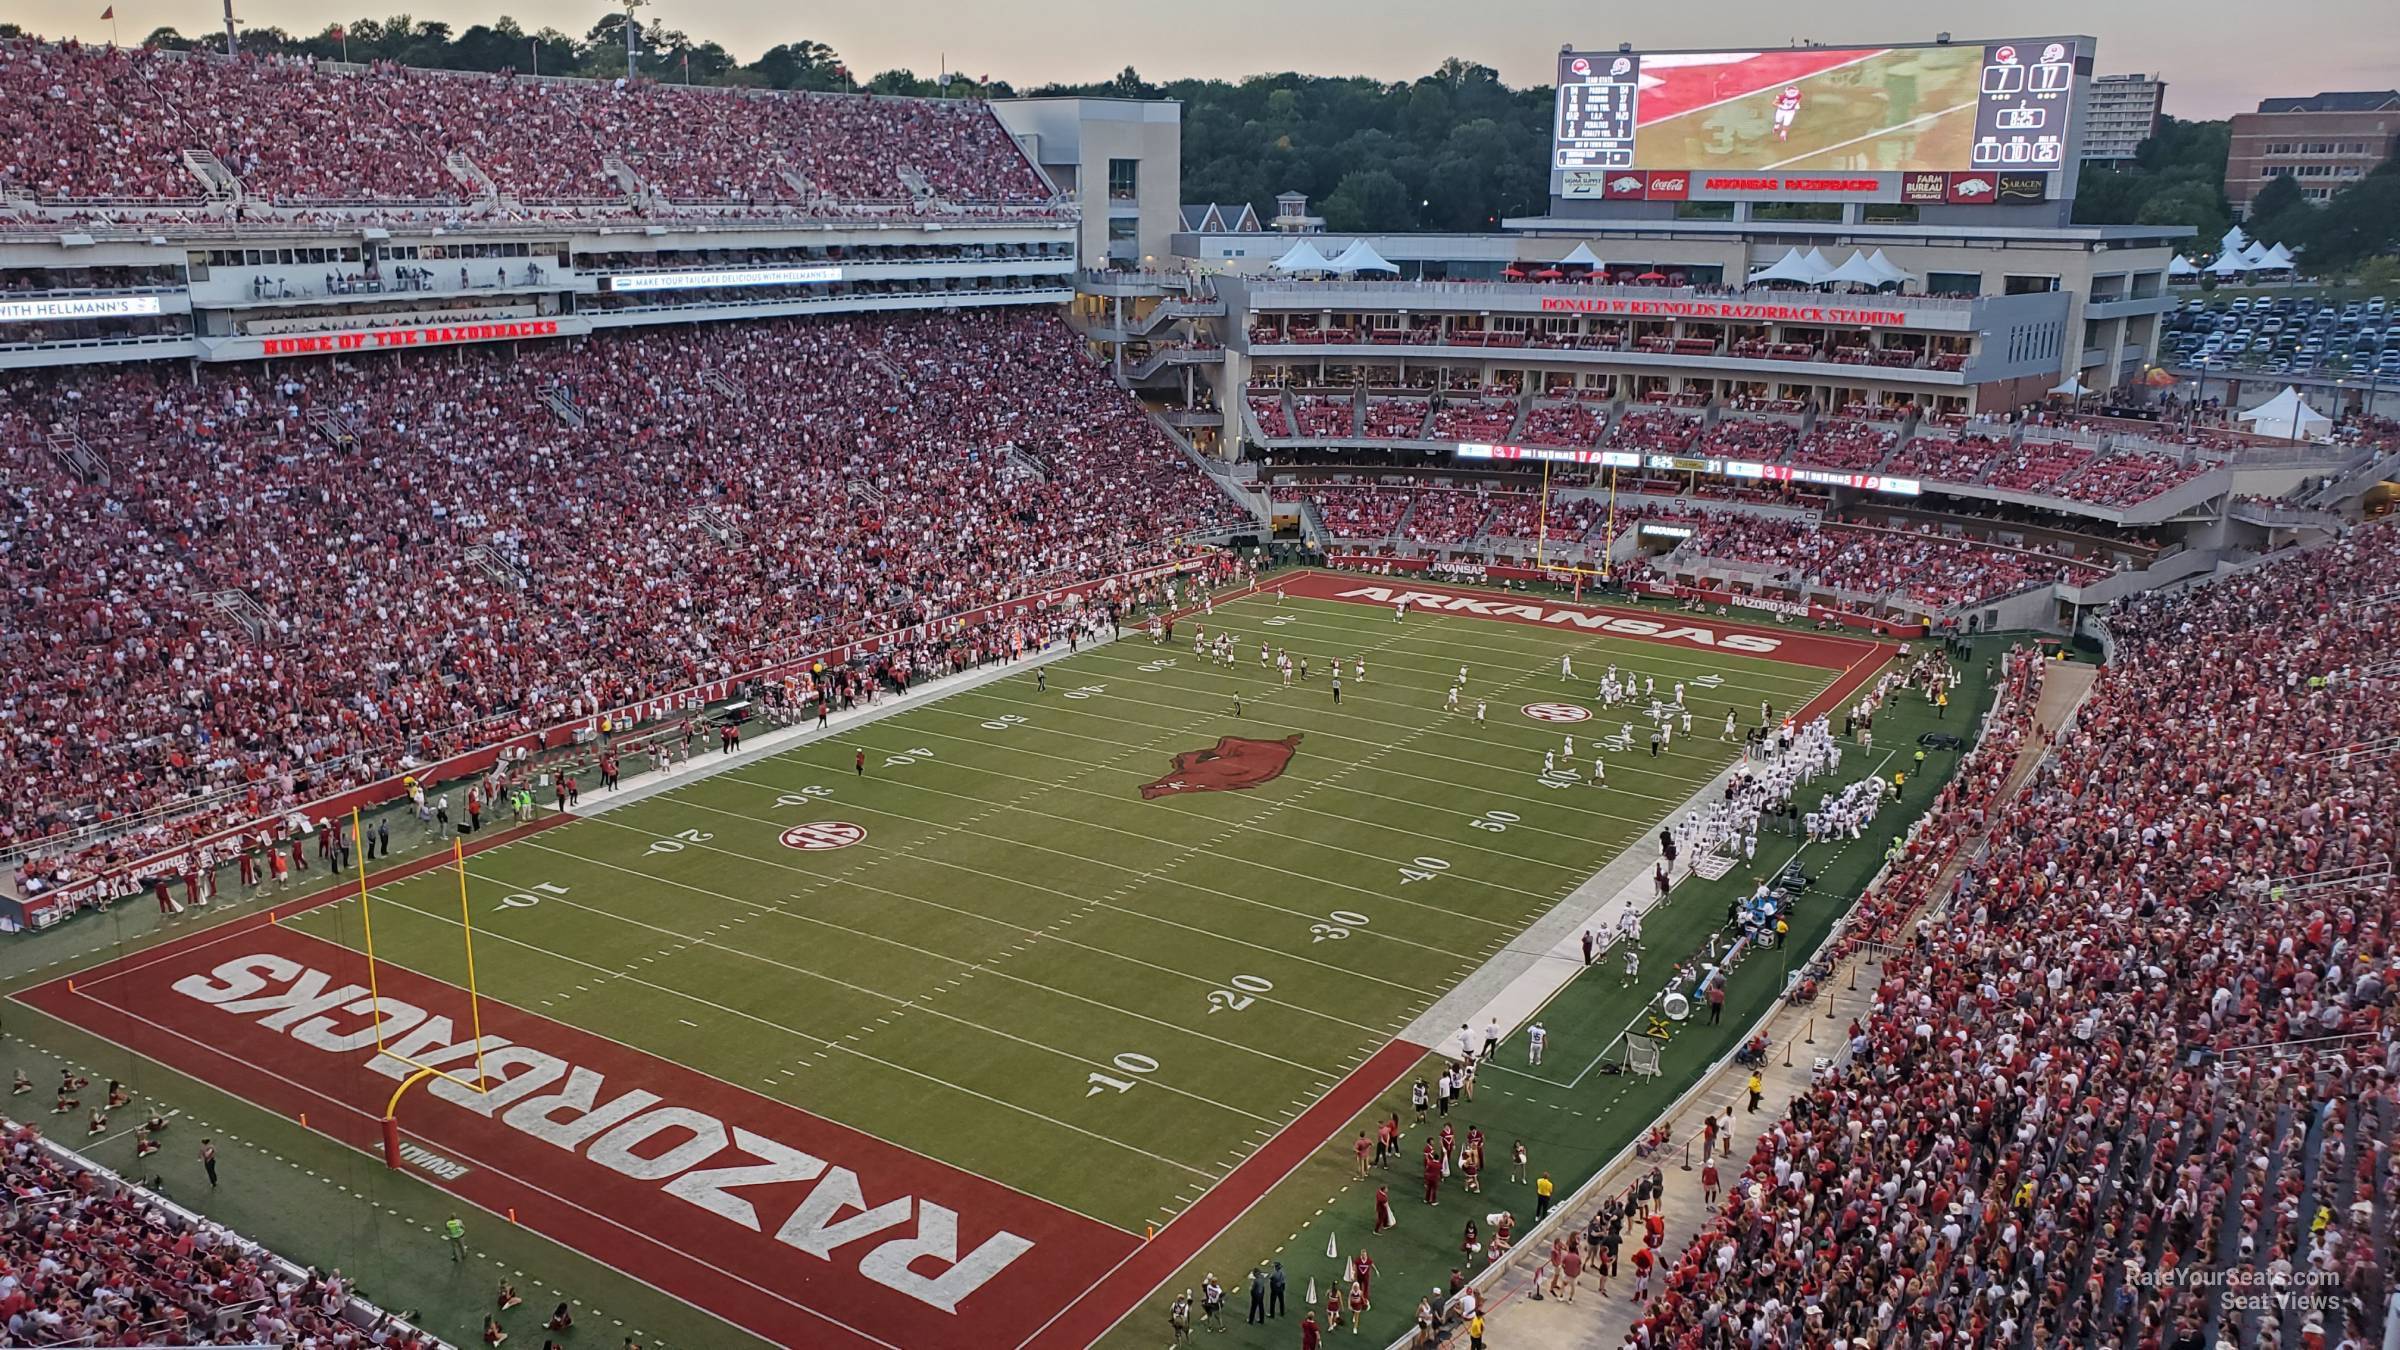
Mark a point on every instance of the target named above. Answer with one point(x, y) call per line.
point(1494, 822)
point(525, 899)
point(1227, 1000)
point(683, 839)
point(1003, 722)
point(1423, 869)
point(1128, 1062)
point(1086, 691)
point(1338, 925)
point(906, 758)
point(1153, 667)
point(806, 796)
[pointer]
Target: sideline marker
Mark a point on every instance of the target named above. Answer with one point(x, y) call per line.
point(304, 1120)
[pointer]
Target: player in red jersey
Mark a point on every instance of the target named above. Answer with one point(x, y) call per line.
point(1787, 107)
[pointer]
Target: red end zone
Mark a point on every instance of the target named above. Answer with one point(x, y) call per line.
point(1697, 632)
point(802, 1230)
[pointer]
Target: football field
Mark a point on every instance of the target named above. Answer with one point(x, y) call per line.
point(980, 1013)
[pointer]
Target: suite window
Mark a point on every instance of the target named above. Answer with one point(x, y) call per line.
point(1124, 179)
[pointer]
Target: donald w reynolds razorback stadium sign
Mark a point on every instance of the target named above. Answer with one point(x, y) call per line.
point(1726, 309)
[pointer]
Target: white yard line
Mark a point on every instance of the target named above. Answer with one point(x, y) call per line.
point(739, 1015)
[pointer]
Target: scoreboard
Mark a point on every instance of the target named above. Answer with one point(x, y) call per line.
point(2023, 100)
point(1596, 97)
point(1956, 124)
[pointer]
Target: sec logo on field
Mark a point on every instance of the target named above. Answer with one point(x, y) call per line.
point(1557, 712)
point(819, 835)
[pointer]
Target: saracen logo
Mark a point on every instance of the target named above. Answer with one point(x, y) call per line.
point(1234, 764)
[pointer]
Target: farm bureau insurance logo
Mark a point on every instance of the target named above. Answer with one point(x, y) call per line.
point(1234, 764)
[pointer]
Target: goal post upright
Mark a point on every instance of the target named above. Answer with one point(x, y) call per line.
point(421, 1071)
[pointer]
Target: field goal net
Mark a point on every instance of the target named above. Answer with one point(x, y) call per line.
point(1642, 1056)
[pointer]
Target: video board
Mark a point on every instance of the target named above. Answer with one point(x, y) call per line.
point(1956, 123)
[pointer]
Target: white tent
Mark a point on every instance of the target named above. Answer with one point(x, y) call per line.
point(2180, 266)
point(1790, 267)
point(2233, 241)
point(1891, 271)
point(2255, 254)
point(1302, 257)
point(1361, 257)
point(2279, 258)
point(1856, 268)
point(1819, 264)
point(2072, 388)
point(2288, 415)
point(1581, 257)
point(2229, 265)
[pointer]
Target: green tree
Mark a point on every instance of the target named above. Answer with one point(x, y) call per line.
point(1369, 201)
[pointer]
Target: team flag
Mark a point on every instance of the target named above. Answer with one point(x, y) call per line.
point(108, 14)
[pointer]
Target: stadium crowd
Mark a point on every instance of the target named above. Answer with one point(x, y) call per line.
point(109, 126)
point(2136, 1083)
point(87, 1260)
point(1936, 570)
point(279, 589)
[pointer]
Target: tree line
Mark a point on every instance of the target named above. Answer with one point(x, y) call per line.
point(1455, 149)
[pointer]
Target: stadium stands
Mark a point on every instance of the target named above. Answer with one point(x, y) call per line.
point(1931, 570)
point(1574, 425)
point(1359, 512)
point(92, 1261)
point(107, 129)
point(1850, 447)
point(2135, 1087)
point(244, 604)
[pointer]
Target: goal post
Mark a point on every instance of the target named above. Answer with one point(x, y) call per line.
point(421, 1071)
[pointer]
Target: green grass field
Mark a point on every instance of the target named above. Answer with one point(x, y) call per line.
point(1026, 969)
point(964, 981)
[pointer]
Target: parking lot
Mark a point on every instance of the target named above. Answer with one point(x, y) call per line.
point(2285, 335)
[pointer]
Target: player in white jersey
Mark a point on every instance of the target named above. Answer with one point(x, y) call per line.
point(1479, 712)
point(1728, 724)
point(1358, 669)
point(1787, 108)
point(1452, 699)
point(1570, 751)
point(1399, 610)
point(1599, 768)
point(1566, 667)
point(1679, 693)
point(1462, 674)
point(1549, 761)
point(1535, 1039)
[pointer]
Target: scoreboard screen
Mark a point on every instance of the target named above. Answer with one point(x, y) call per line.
point(1944, 122)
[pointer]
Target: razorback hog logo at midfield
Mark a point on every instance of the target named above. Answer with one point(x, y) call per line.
point(1234, 764)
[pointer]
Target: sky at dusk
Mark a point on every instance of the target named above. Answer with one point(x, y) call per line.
point(2331, 44)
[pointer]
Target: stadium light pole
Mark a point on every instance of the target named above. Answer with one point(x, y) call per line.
point(631, 28)
point(232, 47)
